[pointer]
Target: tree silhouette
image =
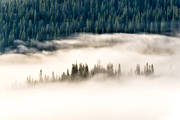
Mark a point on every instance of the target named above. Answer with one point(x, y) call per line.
point(40, 76)
point(138, 70)
point(119, 69)
point(74, 71)
point(86, 72)
point(82, 72)
point(110, 69)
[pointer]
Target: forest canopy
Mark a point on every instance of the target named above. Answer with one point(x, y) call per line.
point(41, 20)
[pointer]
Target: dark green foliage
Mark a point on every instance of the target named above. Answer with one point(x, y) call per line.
point(49, 19)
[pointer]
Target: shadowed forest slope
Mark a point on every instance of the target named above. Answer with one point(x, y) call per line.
point(40, 20)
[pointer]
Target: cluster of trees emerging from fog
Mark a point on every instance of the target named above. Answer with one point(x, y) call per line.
point(82, 72)
point(42, 20)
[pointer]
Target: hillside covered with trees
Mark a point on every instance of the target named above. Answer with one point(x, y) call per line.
point(40, 20)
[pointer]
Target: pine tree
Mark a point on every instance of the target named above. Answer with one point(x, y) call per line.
point(138, 70)
point(40, 76)
point(119, 69)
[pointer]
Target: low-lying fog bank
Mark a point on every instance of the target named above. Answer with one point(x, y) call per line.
point(127, 98)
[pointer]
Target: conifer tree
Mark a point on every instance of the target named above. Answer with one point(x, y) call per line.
point(63, 77)
point(53, 77)
point(119, 69)
point(68, 72)
point(86, 73)
point(40, 76)
point(138, 69)
point(74, 71)
point(152, 68)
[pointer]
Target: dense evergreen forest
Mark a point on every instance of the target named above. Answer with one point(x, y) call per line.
point(40, 20)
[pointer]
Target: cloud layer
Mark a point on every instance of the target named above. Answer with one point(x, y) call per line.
point(126, 98)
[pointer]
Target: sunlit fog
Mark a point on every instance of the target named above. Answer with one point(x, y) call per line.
point(128, 97)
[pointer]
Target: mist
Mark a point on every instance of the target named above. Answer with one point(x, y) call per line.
point(139, 98)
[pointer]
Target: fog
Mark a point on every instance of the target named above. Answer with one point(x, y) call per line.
point(139, 98)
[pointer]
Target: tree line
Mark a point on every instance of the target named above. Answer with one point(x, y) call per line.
point(82, 72)
point(40, 20)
